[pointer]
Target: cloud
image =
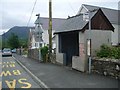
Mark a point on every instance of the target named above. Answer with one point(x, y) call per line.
point(17, 12)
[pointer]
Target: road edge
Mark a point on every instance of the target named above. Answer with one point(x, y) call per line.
point(37, 80)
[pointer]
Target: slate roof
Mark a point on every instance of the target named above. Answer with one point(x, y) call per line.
point(55, 22)
point(111, 14)
point(76, 22)
point(73, 23)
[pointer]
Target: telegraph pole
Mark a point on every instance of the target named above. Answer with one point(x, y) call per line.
point(50, 29)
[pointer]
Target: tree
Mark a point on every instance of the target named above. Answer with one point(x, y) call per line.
point(23, 42)
point(13, 41)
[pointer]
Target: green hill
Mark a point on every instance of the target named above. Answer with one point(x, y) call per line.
point(21, 31)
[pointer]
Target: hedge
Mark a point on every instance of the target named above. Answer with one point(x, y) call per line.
point(44, 52)
point(109, 52)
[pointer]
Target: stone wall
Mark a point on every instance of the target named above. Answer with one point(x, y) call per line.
point(33, 53)
point(107, 67)
point(53, 58)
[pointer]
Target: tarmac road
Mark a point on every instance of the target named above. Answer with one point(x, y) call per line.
point(14, 76)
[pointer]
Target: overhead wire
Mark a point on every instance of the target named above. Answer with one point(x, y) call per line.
point(32, 12)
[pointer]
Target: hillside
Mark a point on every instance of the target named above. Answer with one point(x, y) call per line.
point(21, 31)
point(0, 42)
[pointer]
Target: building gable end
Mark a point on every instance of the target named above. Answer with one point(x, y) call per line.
point(83, 9)
point(100, 22)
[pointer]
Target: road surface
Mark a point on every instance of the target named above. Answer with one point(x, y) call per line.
point(14, 76)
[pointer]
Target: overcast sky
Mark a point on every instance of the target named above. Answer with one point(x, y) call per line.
point(17, 12)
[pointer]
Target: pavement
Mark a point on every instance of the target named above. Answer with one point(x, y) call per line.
point(50, 75)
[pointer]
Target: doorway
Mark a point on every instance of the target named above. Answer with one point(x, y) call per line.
point(69, 44)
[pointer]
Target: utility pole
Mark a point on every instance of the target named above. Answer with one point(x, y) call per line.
point(50, 29)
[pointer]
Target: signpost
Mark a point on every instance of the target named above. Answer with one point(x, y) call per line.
point(89, 53)
point(89, 43)
point(86, 17)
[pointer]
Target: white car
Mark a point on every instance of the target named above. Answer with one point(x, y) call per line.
point(14, 51)
point(6, 52)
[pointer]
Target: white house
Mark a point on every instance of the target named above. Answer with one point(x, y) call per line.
point(35, 41)
point(34, 38)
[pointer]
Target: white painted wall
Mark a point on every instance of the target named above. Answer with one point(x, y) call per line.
point(98, 38)
point(59, 58)
point(115, 35)
point(46, 36)
point(82, 50)
point(119, 34)
point(83, 10)
point(33, 42)
point(80, 62)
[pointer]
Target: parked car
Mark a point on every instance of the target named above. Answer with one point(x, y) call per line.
point(6, 52)
point(14, 51)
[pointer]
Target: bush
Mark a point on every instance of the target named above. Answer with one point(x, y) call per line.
point(115, 52)
point(44, 52)
point(104, 51)
point(109, 52)
point(25, 52)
